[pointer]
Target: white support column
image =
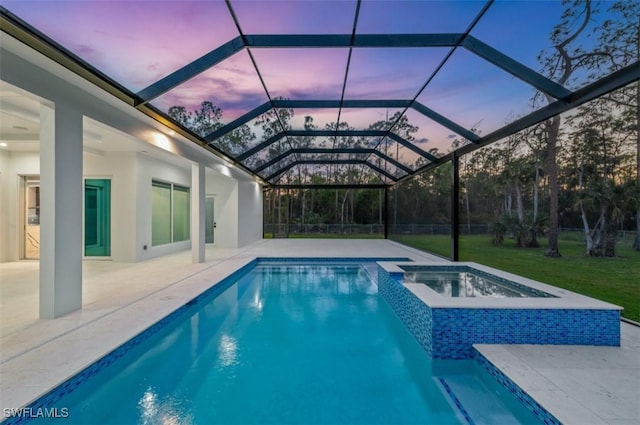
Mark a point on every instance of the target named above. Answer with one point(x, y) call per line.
point(197, 213)
point(60, 210)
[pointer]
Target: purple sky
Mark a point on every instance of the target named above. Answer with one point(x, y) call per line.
point(138, 42)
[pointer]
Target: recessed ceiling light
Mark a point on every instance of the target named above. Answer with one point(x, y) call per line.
point(3, 144)
point(19, 127)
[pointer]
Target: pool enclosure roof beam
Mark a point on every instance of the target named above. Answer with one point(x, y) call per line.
point(566, 99)
point(349, 103)
point(515, 68)
point(328, 133)
point(363, 133)
point(334, 151)
point(471, 43)
point(330, 162)
point(270, 141)
point(604, 85)
point(329, 186)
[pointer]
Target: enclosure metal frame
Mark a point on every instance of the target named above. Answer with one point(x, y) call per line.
point(565, 99)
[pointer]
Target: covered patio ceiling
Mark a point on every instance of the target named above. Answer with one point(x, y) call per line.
point(297, 92)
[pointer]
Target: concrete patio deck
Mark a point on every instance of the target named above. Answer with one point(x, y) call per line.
point(581, 384)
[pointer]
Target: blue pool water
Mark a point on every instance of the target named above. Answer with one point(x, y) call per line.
point(286, 344)
point(463, 281)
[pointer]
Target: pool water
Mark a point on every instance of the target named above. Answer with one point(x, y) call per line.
point(468, 284)
point(286, 344)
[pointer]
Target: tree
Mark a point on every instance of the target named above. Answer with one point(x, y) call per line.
point(207, 119)
point(621, 38)
point(601, 152)
point(560, 64)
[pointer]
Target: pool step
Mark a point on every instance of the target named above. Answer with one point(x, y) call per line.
point(480, 403)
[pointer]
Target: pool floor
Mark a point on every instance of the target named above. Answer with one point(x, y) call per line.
point(285, 344)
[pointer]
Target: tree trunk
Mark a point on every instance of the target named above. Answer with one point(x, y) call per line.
point(519, 204)
point(279, 208)
point(379, 207)
point(599, 229)
point(636, 241)
point(536, 190)
point(466, 202)
point(287, 218)
point(336, 208)
point(342, 212)
point(585, 221)
point(587, 231)
point(553, 129)
point(611, 230)
point(304, 205)
point(395, 206)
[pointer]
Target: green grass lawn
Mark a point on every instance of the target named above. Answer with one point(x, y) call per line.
point(615, 280)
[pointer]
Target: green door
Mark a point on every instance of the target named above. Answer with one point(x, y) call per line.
point(97, 217)
point(209, 222)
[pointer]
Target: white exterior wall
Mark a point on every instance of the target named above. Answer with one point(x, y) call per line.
point(120, 167)
point(238, 210)
point(238, 203)
point(225, 192)
point(249, 213)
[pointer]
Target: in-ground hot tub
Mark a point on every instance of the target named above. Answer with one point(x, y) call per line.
point(465, 281)
point(448, 307)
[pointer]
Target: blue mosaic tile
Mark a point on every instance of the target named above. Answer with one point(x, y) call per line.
point(449, 333)
point(527, 401)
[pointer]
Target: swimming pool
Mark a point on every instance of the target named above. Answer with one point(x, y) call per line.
point(283, 343)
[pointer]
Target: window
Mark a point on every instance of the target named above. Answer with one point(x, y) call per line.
point(170, 221)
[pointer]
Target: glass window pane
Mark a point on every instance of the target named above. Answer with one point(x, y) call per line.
point(181, 217)
point(160, 214)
